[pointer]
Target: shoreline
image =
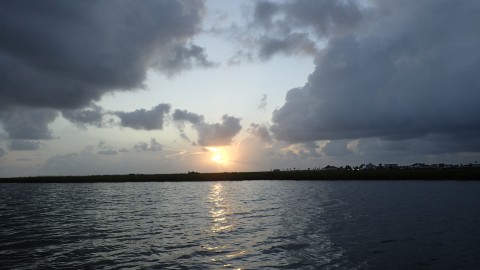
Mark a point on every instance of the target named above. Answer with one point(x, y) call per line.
point(465, 174)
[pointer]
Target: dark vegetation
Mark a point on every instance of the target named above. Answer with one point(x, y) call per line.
point(379, 174)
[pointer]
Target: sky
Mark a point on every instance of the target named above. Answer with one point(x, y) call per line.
point(126, 86)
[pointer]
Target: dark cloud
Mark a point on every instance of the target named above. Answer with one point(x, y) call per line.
point(25, 124)
point(409, 72)
point(186, 116)
point(298, 27)
point(2, 152)
point(337, 148)
point(144, 119)
point(311, 149)
point(324, 16)
point(432, 144)
point(23, 145)
point(57, 55)
point(209, 134)
point(92, 115)
point(261, 131)
point(295, 43)
point(152, 146)
point(264, 12)
point(64, 54)
point(183, 58)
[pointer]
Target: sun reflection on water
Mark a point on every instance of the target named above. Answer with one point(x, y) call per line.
point(220, 210)
point(223, 223)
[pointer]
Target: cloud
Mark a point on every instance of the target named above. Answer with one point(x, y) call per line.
point(183, 58)
point(299, 27)
point(261, 131)
point(24, 124)
point(219, 133)
point(406, 72)
point(108, 152)
point(144, 119)
point(324, 17)
point(105, 149)
point(182, 116)
point(144, 147)
point(23, 145)
point(264, 12)
point(263, 103)
point(185, 116)
point(63, 56)
point(68, 54)
point(337, 148)
point(311, 149)
point(2, 152)
point(432, 144)
point(102, 144)
point(209, 134)
point(255, 154)
point(91, 115)
point(296, 43)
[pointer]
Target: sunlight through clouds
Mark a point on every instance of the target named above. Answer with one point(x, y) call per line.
point(270, 84)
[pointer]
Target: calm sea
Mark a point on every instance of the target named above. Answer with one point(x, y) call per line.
point(247, 225)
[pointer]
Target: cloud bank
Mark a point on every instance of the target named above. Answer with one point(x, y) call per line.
point(23, 124)
point(299, 27)
point(68, 54)
point(391, 70)
point(64, 56)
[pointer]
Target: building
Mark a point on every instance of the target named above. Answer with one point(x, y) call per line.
point(370, 166)
point(390, 165)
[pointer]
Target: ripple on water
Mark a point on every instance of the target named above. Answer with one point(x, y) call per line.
point(248, 225)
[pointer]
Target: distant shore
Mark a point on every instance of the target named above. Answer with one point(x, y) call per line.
point(381, 174)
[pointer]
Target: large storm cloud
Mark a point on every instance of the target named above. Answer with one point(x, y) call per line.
point(63, 55)
point(27, 124)
point(407, 70)
point(294, 27)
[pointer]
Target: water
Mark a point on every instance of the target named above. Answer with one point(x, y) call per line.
point(247, 225)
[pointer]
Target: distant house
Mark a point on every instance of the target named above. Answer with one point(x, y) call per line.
point(370, 166)
point(390, 166)
point(330, 168)
point(419, 166)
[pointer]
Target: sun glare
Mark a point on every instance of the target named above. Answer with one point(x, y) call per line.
point(218, 156)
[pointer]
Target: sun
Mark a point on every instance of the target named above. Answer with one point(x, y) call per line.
point(218, 156)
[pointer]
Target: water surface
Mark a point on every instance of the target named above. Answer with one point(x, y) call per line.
point(247, 224)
